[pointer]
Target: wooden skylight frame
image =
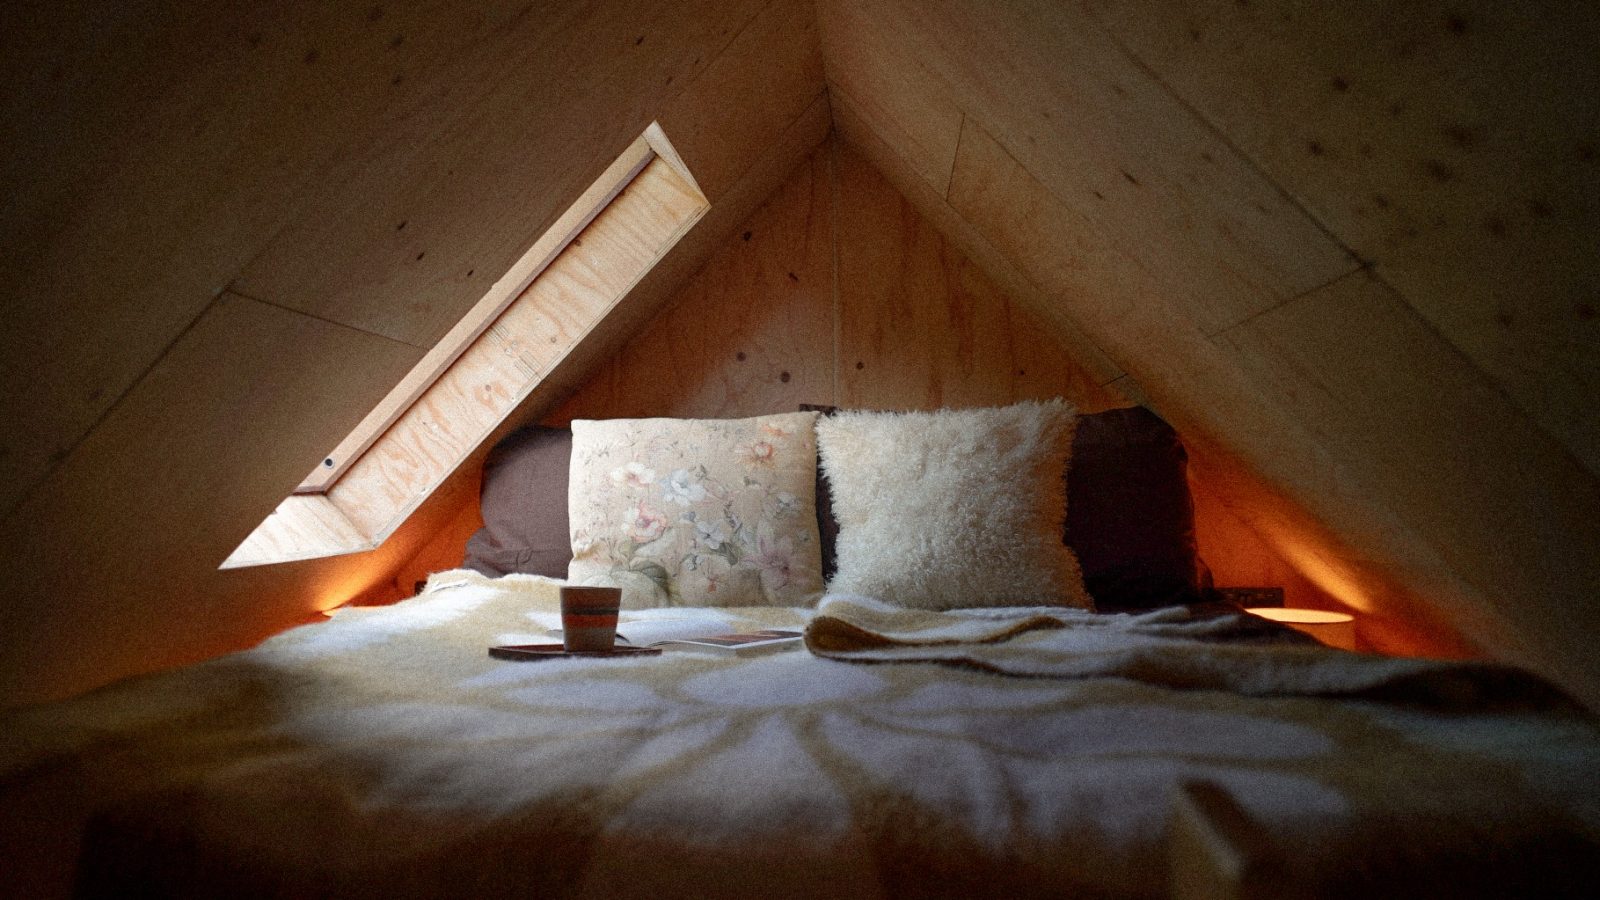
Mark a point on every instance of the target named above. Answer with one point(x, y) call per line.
point(484, 367)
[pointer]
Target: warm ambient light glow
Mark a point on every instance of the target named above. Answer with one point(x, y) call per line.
point(1336, 629)
point(1300, 616)
point(1331, 579)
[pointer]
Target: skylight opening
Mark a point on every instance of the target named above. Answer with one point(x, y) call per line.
point(499, 352)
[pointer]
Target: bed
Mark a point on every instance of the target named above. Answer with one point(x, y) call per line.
point(1002, 749)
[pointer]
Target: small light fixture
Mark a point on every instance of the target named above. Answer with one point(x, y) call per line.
point(1336, 629)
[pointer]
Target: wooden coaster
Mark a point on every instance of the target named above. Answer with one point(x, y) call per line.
point(557, 651)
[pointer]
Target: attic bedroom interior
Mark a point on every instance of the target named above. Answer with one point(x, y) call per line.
point(1310, 289)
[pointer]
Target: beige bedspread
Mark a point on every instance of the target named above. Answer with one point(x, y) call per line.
point(986, 753)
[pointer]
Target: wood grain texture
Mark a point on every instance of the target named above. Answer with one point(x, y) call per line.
point(489, 308)
point(920, 325)
point(1377, 563)
point(1091, 391)
point(1433, 439)
point(754, 332)
point(150, 152)
point(888, 85)
point(479, 173)
point(592, 363)
point(121, 542)
point(509, 360)
point(751, 333)
point(1453, 144)
point(754, 90)
point(304, 526)
point(1238, 556)
point(1115, 147)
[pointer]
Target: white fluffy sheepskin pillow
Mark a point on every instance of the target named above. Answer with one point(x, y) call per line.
point(955, 508)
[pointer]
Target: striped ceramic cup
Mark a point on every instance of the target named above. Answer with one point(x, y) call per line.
point(589, 617)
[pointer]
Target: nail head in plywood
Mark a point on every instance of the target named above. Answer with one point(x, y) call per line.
point(1455, 145)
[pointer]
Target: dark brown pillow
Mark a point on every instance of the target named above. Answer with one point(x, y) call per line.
point(1130, 517)
point(524, 506)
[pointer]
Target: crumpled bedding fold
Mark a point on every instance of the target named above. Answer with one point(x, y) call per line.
point(1195, 648)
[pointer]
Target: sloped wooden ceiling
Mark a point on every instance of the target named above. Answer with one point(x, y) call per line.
point(1349, 254)
point(1347, 249)
point(231, 230)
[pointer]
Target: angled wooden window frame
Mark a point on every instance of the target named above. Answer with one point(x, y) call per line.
point(312, 522)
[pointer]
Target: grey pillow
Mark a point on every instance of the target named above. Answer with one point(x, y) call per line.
point(524, 506)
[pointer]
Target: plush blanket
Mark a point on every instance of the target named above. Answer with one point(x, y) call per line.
point(1213, 648)
point(1022, 752)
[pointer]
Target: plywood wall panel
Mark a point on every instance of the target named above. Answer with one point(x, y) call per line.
point(112, 547)
point(752, 333)
point(1113, 145)
point(920, 325)
point(467, 189)
point(1222, 412)
point(776, 59)
point(303, 526)
point(835, 269)
point(1442, 448)
point(150, 151)
point(1452, 144)
point(593, 361)
point(883, 79)
point(1096, 371)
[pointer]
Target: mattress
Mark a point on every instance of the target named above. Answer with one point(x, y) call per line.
point(1011, 752)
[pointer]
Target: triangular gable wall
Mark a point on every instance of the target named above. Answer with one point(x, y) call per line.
point(837, 291)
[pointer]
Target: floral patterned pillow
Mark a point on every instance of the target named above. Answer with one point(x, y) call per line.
point(697, 512)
